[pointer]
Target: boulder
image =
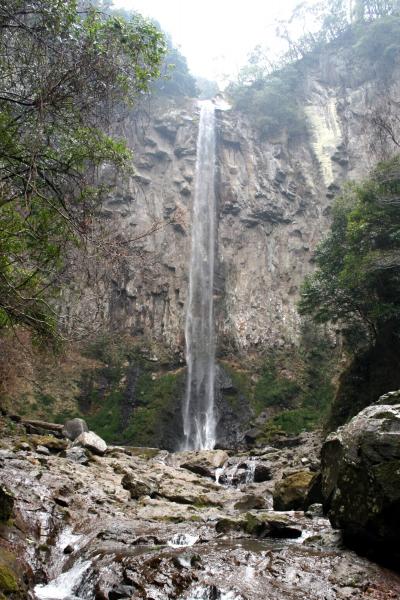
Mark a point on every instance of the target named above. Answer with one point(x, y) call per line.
point(262, 473)
point(291, 492)
point(73, 428)
point(92, 442)
point(361, 480)
point(204, 462)
point(261, 526)
point(250, 502)
point(138, 487)
point(77, 455)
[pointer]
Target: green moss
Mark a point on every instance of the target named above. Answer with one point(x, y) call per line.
point(8, 581)
point(105, 418)
point(297, 420)
point(273, 389)
point(156, 402)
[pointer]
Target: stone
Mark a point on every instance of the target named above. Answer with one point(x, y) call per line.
point(261, 526)
point(74, 427)
point(262, 473)
point(205, 462)
point(250, 502)
point(137, 487)
point(120, 591)
point(48, 441)
point(360, 465)
point(7, 454)
point(77, 455)
point(92, 442)
point(314, 510)
point(291, 492)
point(43, 450)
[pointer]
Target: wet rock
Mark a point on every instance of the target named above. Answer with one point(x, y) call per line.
point(138, 487)
point(48, 441)
point(250, 502)
point(77, 455)
point(260, 525)
point(186, 561)
point(262, 473)
point(120, 591)
point(205, 462)
point(74, 427)
point(314, 510)
point(6, 504)
point(6, 454)
point(92, 442)
point(361, 480)
point(62, 501)
point(291, 492)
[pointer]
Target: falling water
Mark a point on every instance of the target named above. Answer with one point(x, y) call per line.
point(198, 415)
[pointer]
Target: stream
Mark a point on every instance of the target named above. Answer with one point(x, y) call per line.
point(134, 524)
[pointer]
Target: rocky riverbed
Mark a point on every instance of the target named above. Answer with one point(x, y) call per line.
point(144, 524)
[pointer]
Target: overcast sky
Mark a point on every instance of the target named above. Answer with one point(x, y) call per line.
point(215, 35)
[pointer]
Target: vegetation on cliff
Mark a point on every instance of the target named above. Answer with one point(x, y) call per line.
point(270, 89)
point(357, 286)
point(65, 71)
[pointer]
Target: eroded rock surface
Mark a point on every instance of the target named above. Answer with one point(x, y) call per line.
point(361, 479)
point(79, 532)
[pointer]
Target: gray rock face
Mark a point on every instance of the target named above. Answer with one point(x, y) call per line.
point(77, 455)
point(74, 427)
point(138, 487)
point(92, 442)
point(274, 202)
point(361, 480)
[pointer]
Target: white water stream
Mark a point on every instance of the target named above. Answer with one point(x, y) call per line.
point(64, 586)
point(199, 422)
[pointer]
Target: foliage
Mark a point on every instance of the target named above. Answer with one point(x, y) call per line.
point(377, 46)
point(273, 389)
point(177, 80)
point(357, 282)
point(64, 71)
point(156, 402)
point(272, 102)
point(269, 89)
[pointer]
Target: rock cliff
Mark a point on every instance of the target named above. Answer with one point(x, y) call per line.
point(274, 201)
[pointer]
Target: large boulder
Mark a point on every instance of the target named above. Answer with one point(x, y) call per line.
point(74, 427)
point(361, 479)
point(291, 492)
point(203, 462)
point(92, 442)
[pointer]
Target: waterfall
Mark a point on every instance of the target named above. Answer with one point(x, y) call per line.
point(198, 415)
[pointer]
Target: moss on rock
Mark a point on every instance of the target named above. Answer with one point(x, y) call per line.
point(291, 492)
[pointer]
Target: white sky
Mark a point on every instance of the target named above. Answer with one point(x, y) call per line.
point(216, 36)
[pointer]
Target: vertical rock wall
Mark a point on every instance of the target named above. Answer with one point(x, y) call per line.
point(274, 200)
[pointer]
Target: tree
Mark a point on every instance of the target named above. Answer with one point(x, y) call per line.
point(64, 72)
point(357, 282)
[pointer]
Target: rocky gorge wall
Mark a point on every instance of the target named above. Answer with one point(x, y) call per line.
point(274, 202)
